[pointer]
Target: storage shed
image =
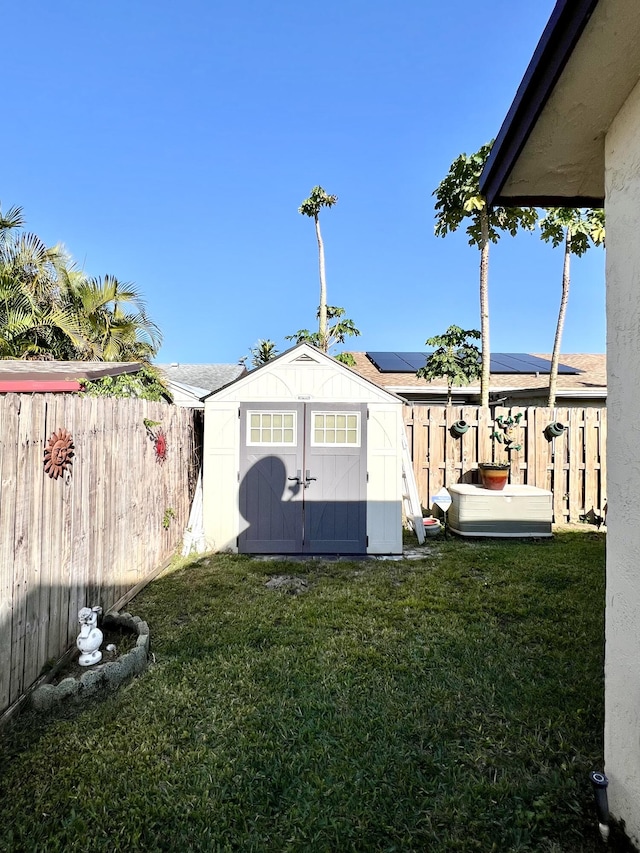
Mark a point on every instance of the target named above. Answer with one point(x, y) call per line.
point(303, 456)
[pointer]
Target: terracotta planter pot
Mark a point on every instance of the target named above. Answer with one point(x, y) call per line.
point(494, 475)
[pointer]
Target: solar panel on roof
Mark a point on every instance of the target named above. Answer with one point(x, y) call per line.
point(416, 360)
point(528, 363)
point(388, 362)
point(535, 364)
point(567, 369)
point(500, 362)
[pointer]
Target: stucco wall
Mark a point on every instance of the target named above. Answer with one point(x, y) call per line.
point(622, 664)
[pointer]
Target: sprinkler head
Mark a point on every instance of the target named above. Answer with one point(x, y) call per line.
point(600, 782)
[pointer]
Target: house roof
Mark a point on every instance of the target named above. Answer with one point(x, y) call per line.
point(590, 381)
point(57, 376)
point(202, 379)
point(550, 148)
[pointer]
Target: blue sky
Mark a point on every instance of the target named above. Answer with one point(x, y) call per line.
point(171, 144)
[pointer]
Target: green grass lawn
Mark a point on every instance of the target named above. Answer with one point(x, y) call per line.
point(453, 703)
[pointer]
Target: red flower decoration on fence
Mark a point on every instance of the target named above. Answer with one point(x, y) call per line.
point(58, 453)
point(160, 444)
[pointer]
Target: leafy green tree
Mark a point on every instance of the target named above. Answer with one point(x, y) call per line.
point(336, 333)
point(146, 384)
point(458, 199)
point(34, 317)
point(114, 321)
point(455, 358)
point(263, 352)
point(577, 230)
point(50, 309)
point(13, 218)
point(311, 207)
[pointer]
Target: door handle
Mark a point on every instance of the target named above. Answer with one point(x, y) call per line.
point(297, 478)
point(307, 478)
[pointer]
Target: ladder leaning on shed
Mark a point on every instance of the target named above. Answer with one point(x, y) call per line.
point(410, 497)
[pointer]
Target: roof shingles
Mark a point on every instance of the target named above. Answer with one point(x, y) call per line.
point(593, 375)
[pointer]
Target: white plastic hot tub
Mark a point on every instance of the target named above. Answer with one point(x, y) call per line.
point(517, 511)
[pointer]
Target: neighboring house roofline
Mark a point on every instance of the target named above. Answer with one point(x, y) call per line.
point(20, 376)
point(461, 390)
point(41, 386)
point(554, 49)
point(571, 393)
point(71, 370)
point(588, 380)
point(314, 350)
point(198, 393)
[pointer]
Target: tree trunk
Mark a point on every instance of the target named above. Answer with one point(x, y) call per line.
point(322, 311)
point(555, 358)
point(484, 307)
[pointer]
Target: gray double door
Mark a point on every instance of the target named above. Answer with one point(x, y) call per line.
point(303, 478)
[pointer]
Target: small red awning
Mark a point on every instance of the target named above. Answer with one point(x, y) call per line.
point(47, 386)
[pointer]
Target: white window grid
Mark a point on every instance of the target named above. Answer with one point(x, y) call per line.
point(271, 428)
point(335, 429)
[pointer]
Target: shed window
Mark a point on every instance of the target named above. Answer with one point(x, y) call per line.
point(336, 429)
point(271, 428)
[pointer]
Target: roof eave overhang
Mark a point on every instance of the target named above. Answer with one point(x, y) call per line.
point(563, 30)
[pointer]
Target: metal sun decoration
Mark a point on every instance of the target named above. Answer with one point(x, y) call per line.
point(58, 453)
point(160, 445)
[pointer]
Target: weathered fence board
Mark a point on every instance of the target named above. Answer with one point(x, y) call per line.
point(90, 535)
point(572, 466)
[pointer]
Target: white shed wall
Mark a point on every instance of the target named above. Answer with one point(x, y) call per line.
point(384, 489)
point(288, 380)
point(622, 662)
point(220, 466)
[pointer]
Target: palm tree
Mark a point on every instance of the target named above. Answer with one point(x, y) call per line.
point(578, 230)
point(50, 309)
point(311, 207)
point(263, 352)
point(113, 320)
point(11, 219)
point(458, 197)
point(34, 320)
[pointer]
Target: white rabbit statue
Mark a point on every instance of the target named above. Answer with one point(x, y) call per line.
point(90, 636)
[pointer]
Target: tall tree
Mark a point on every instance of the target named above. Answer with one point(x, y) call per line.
point(342, 328)
point(455, 358)
point(311, 207)
point(458, 198)
point(578, 230)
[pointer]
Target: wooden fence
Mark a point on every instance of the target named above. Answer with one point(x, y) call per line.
point(93, 533)
point(572, 466)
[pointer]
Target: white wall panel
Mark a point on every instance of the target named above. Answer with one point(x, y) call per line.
point(622, 661)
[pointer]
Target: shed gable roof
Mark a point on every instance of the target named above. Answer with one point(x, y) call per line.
point(302, 356)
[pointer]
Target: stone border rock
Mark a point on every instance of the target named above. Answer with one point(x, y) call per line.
point(102, 676)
